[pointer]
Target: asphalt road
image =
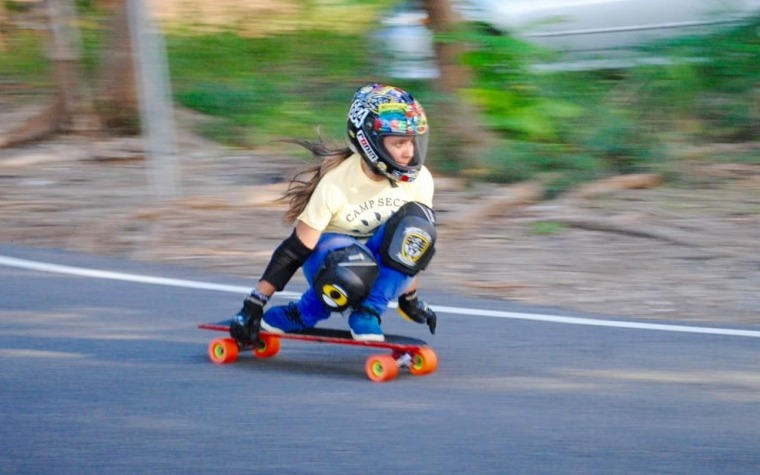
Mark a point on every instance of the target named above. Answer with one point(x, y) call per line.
point(111, 376)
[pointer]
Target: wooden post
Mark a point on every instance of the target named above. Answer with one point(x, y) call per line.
point(156, 106)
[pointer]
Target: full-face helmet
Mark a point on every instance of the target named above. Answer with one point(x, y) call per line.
point(378, 111)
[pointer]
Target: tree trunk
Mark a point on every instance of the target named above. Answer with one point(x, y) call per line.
point(443, 19)
point(70, 109)
point(117, 102)
point(72, 90)
point(465, 135)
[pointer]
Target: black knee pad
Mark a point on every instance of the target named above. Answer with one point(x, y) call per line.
point(346, 277)
point(409, 241)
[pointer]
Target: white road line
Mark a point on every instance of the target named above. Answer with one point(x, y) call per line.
point(192, 284)
point(109, 275)
point(598, 322)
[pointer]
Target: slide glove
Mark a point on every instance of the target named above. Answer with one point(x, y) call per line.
point(245, 325)
point(416, 310)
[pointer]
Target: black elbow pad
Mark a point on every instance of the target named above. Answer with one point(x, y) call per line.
point(286, 259)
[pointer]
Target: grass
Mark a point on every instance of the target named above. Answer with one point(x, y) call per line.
point(624, 120)
point(546, 228)
point(562, 128)
point(281, 86)
point(24, 61)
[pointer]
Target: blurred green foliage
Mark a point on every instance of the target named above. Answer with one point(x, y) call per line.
point(561, 128)
point(284, 85)
point(545, 228)
point(24, 60)
point(568, 127)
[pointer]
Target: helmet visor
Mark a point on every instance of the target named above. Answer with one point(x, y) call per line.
point(403, 151)
point(404, 121)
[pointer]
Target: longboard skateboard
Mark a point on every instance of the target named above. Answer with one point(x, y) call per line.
point(406, 352)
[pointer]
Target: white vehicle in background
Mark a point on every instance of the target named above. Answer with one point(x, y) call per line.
point(590, 34)
point(589, 25)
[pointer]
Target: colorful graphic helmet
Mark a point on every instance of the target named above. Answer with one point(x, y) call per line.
point(378, 111)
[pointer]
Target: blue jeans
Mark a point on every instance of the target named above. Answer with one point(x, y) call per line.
point(390, 283)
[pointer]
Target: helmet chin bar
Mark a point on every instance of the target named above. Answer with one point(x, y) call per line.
point(397, 174)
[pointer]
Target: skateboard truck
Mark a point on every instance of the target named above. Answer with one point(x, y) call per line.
point(404, 360)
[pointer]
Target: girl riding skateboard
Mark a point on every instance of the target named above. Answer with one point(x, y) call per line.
point(363, 225)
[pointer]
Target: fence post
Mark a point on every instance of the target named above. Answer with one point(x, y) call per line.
point(156, 109)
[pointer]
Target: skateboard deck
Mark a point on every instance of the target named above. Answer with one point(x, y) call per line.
point(405, 352)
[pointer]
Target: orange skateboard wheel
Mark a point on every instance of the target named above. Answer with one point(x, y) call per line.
point(267, 346)
point(223, 351)
point(424, 361)
point(380, 368)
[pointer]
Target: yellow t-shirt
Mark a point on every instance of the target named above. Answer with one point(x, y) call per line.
point(347, 201)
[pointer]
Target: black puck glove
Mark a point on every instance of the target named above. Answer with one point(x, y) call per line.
point(416, 310)
point(245, 325)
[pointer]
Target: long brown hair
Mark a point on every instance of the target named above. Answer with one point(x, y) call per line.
point(302, 185)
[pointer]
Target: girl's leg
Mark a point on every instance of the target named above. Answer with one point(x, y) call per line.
point(390, 283)
point(310, 309)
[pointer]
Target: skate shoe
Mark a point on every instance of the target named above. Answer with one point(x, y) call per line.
point(283, 319)
point(365, 325)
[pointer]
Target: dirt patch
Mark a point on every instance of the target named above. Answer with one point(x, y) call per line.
point(657, 252)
